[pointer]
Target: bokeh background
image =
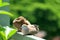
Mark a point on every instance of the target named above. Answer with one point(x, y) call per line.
point(45, 13)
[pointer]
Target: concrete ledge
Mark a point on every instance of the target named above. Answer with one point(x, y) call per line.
point(31, 36)
point(19, 36)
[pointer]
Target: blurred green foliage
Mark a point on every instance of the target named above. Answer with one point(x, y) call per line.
point(6, 13)
point(3, 3)
point(45, 13)
point(6, 32)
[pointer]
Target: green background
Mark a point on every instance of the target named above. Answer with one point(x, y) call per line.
point(45, 13)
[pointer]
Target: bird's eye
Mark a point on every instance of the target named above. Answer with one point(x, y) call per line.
point(33, 26)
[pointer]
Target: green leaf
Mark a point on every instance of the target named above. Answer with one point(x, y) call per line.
point(5, 12)
point(2, 34)
point(2, 29)
point(12, 32)
point(7, 33)
point(1, 38)
point(4, 4)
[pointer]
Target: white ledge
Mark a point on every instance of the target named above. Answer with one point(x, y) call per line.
point(31, 36)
